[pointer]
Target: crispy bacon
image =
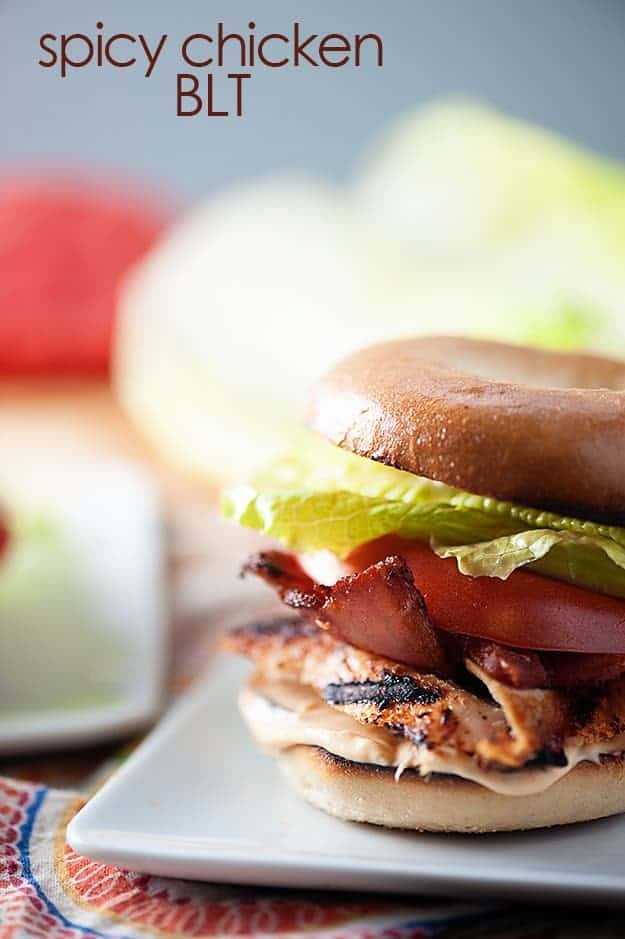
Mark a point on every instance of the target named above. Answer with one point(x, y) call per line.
point(381, 610)
point(525, 669)
point(565, 669)
point(283, 572)
point(510, 666)
point(378, 609)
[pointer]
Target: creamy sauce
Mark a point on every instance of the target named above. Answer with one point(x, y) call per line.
point(284, 714)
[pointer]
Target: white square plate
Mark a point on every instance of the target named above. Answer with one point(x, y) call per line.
point(82, 612)
point(197, 800)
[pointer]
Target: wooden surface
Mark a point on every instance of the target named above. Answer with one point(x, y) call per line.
point(80, 418)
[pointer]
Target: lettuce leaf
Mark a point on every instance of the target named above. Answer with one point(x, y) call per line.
point(590, 561)
point(319, 497)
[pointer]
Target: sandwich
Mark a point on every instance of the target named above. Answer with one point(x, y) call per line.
point(448, 545)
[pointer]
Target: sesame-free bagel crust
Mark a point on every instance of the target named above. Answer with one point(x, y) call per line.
point(362, 793)
point(539, 428)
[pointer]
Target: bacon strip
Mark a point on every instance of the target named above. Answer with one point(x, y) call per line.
point(565, 669)
point(525, 669)
point(283, 572)
point(378, 609)
point(510, 666)
point(381, 610)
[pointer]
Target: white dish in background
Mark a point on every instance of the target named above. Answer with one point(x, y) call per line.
point(197, 800)
point(82, 611)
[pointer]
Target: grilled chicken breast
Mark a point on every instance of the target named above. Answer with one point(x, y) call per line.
point(493, 723)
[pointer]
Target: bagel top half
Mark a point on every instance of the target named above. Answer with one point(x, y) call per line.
point(539, 428)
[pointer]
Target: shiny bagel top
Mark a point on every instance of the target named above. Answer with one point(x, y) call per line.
point(545, 429)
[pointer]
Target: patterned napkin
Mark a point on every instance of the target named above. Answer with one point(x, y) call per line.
point(47, 891)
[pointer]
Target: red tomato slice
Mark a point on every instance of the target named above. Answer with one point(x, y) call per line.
point(526, 611)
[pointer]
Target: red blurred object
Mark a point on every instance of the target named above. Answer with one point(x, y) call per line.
point(64, 245)
point(4, 537)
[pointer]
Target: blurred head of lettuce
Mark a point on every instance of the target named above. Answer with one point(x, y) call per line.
point(458, 220)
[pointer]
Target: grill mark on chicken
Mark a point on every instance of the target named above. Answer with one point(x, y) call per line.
point(391, 689)
point(548, 758)
point(284, 627)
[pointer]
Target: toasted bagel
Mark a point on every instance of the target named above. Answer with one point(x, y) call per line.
point(540, 428)
point(364, 793)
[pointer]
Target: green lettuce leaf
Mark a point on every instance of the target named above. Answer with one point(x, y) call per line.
point(590, 561)
point(319, 497)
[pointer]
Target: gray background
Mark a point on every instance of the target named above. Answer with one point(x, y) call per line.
point(559, 62)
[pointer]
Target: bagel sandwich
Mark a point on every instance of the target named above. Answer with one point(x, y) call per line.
point(451, 655)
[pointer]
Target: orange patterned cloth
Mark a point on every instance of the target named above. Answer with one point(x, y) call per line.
point(47, 891)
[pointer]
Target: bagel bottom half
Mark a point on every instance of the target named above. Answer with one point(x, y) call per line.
point(363, 793)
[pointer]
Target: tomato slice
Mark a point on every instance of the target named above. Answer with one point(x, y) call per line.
point(526, 611)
